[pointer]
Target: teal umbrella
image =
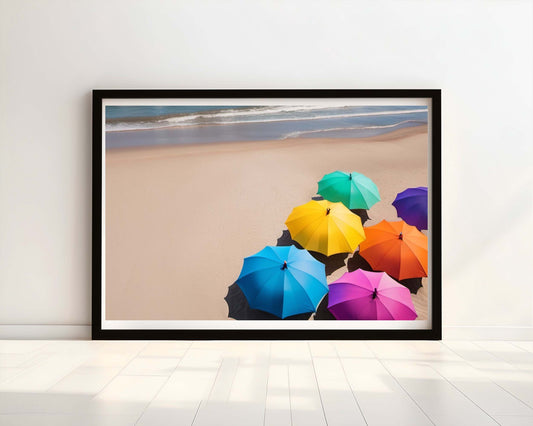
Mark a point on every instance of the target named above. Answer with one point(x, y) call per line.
point(354, 190)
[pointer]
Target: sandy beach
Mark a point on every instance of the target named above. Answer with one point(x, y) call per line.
point(180, 219)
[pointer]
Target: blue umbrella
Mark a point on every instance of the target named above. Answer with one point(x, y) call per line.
point(284, 281)
point(412, 206)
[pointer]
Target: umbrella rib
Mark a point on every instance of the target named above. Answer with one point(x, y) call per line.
point(381, 278)
point(349, 224)
point(319, 220)
point(409, 242)
point(255, 271)
point(261, 290)
point(353, 284)
point(416, 258)
point(333, 175)
point(378, 244)
point(364, 276)
point(370, 190)
point(369, 194)
point(389, 230)
point(369, 292)
point(359, 288)
point(384, 254)
point(387, 309)
point(275, 253)
point(350, 299)
point(275, 263)
point(411, 308)
point(353, 187)
point(312, 276)
point(328, 185)
point(298, 213)
point(303, 289)
point(340, 232)
point(394, 300)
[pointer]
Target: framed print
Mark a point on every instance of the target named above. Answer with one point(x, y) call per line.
point(266, 214)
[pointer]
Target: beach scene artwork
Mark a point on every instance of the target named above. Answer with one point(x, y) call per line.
point(301, 210)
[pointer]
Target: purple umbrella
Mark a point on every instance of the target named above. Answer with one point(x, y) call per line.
point(412, 206)
point(365, 295)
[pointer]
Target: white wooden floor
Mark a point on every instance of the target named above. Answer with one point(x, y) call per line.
point(265, 383)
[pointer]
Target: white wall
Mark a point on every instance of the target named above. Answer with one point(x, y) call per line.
point(52, 53)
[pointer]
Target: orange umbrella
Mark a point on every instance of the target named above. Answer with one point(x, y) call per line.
point(396, 248)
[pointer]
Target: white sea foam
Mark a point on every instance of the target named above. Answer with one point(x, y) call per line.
point(238, 116)
point(259, 111)
point(337, 129)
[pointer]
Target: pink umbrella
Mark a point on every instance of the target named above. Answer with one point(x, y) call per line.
point(364, 295)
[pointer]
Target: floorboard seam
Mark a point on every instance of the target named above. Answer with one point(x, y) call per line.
point(317, 385)
point(489, 378)
point(402, 388)
point(460, 391)
point(349, 385)
point(162, 385)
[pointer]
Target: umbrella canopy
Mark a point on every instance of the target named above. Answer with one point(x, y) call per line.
point(239, 308)
point(364, 295)
point(396, 248)
point(412, 206)
point(283, 281)
point(328, 228)
point(354, 190)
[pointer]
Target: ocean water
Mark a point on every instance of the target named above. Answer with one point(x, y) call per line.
point(128, 126)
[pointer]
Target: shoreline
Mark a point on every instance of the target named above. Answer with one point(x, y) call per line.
point(268, 144)
point(201, 135)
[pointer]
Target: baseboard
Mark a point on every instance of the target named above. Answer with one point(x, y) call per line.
point(487, 333)
point(45, 332)
point(83, 332)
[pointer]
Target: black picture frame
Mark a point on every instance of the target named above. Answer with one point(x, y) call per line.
point(434, 177)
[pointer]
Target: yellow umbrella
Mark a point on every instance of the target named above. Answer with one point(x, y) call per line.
point(325, 227)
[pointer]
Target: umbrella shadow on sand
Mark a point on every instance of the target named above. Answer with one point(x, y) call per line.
point(358, 262)
point(413, 284)
point(362, 213)
point(332, 262)
point(239, 308)
point(322, 312)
